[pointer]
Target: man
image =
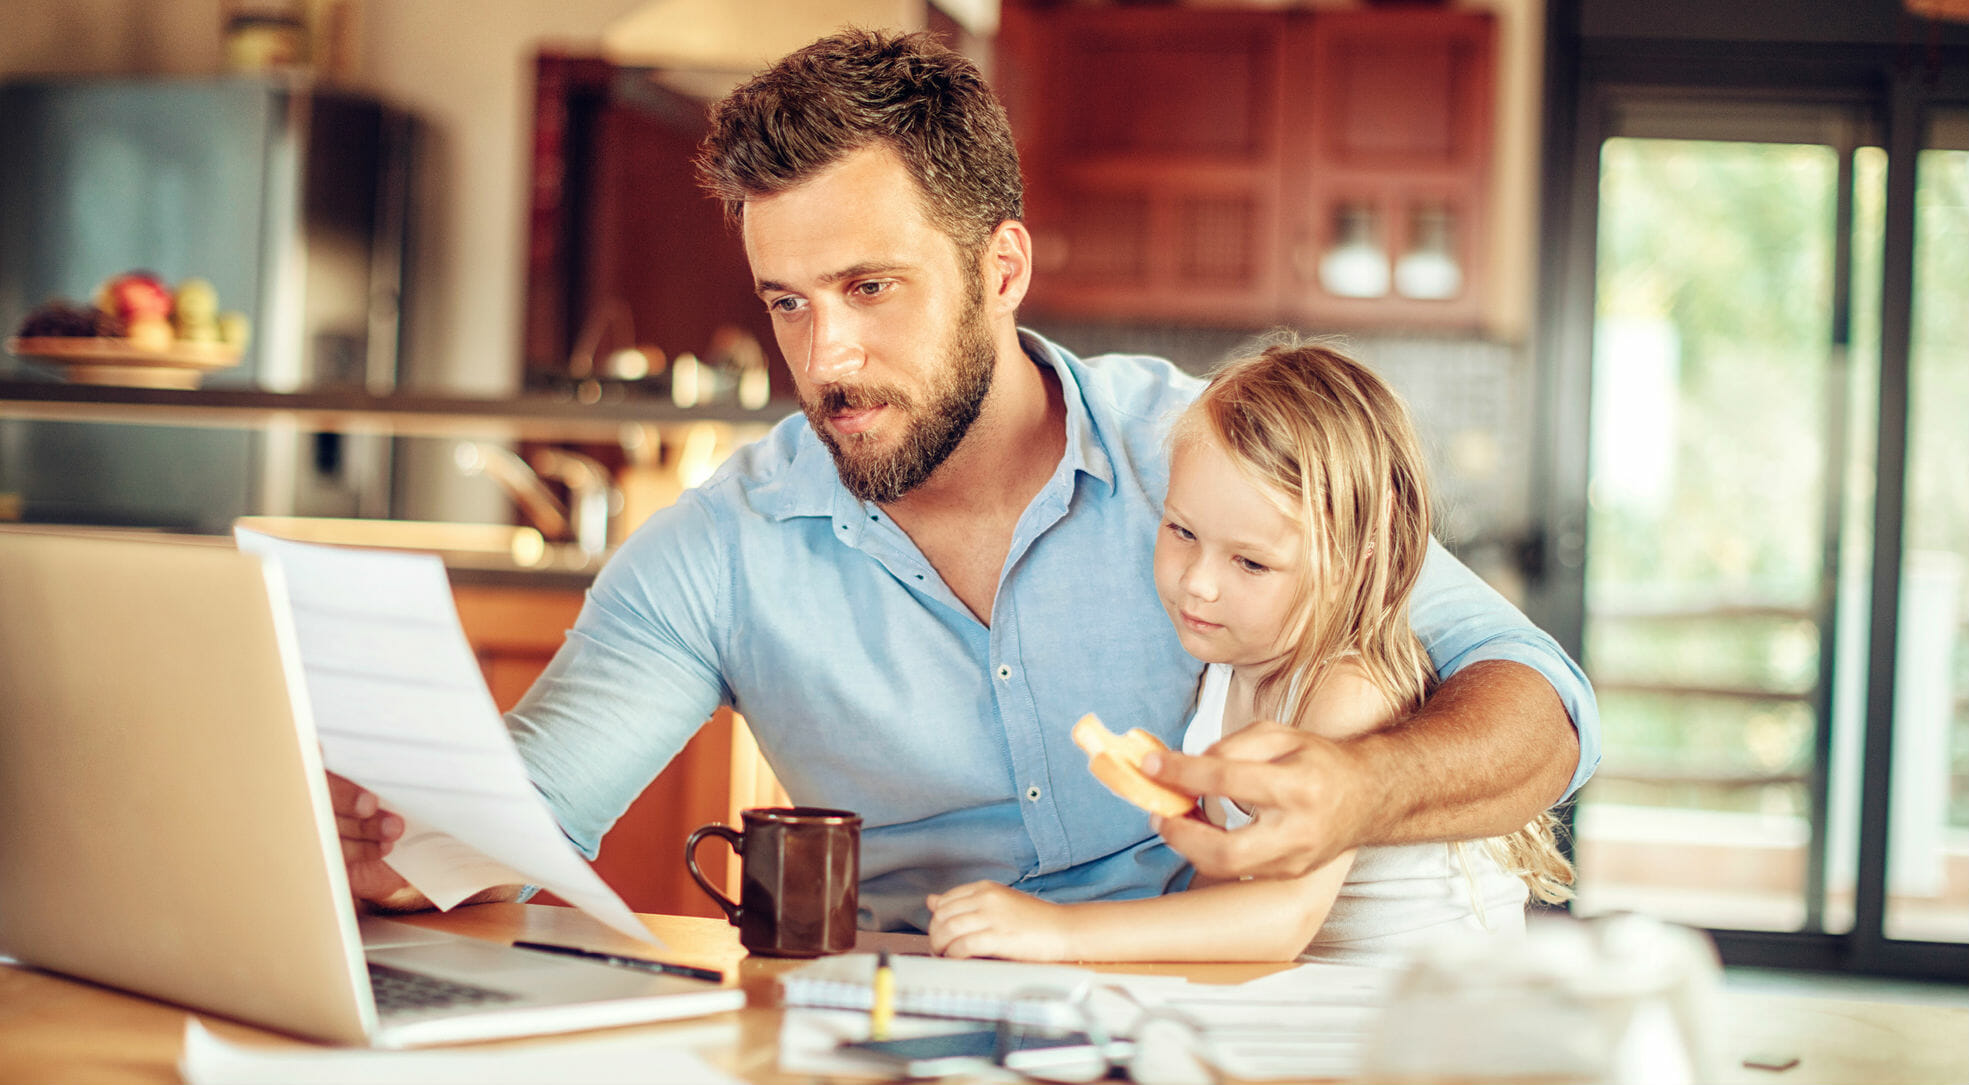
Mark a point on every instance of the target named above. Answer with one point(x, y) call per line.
point(914, 590)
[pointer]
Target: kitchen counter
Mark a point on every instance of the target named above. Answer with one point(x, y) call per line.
point(532, 417)
point(537, 417)
point(570, 573)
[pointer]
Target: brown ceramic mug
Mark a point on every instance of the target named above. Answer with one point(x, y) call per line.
point(800, 877)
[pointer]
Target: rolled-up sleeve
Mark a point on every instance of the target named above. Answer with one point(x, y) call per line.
point(1462, 620)
point(636, 677)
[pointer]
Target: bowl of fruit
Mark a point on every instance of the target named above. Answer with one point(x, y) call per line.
point(139, 331)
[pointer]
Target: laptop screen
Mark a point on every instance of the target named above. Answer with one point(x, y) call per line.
point(164, 819)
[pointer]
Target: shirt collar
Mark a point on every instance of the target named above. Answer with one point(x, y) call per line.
point(1085, 450)
point(810, 486)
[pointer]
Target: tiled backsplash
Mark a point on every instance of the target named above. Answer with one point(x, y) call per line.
point(1472, 401)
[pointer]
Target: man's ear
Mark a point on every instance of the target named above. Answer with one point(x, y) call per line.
point(1008, 266)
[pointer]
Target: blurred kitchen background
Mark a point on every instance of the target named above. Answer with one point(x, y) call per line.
point(1676, 290)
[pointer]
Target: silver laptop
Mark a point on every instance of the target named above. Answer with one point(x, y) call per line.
point(165, 825)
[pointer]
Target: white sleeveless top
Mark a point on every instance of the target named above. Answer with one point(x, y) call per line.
point(1395, 898)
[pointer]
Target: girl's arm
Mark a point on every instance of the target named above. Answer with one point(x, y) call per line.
point(1264, 919)
point(1257, 920)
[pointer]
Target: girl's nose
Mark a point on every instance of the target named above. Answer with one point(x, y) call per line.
point(1198, 582)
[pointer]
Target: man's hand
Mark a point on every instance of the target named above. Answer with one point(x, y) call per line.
point(1311, 797)
point(368, 833)
point(1489, 751)
point(986, 919)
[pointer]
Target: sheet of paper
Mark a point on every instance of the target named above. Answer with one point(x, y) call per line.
point(444, 867)
point(1343, 984)
point(401, 708)
point(609, 1058)
point(1313, 1021)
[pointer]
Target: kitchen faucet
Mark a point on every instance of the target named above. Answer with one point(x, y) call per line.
point(588, 483)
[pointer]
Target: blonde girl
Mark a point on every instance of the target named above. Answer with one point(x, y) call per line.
point(1295, 528)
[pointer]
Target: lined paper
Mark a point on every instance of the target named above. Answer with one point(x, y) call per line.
point(401, 708)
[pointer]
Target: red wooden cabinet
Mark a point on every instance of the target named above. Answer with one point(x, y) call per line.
point(1205, 165)
point(1391, 139)
point(1150, 140)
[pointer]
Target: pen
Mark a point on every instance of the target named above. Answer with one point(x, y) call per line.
point(882, 1009)
point(641, 963)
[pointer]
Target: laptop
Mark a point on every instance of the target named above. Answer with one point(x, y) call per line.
point(165, 825)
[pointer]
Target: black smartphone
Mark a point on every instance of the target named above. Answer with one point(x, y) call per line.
point(956, 1052)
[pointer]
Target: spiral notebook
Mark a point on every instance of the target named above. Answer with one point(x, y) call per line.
point(975, 990)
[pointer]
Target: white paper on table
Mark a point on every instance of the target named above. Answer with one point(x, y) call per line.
point(608, 1059)
point(1309, 1022)
point(401, 708)
point(1341, 984)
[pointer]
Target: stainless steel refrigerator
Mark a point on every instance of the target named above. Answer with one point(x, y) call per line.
point(292, 200)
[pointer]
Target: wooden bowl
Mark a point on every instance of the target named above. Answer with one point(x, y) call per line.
point(116, 361)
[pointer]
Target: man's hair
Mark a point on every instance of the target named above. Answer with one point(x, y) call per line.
point(862, 88)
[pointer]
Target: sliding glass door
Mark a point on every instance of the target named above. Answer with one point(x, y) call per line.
point(1715, 443)
point(1759, 531)
point(1927, 892)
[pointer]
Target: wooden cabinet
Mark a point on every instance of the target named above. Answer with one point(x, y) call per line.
point(1202, 165)
point(1151, 143)
point(623, 246)
point(515, 631)
point(1392, 129)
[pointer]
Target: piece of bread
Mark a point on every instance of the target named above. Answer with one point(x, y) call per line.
point(1116, 760)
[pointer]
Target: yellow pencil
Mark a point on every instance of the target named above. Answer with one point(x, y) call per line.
point(883, 1009)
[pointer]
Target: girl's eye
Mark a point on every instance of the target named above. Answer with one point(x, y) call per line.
point(1178, 530)
point(1250, 566)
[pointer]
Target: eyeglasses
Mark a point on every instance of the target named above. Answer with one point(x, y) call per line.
point(1058, 1036)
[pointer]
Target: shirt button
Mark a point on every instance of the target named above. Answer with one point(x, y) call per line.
point(1004, 672)
point(1032, 793)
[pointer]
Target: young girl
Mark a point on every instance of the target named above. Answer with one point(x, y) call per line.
point(1295, 528)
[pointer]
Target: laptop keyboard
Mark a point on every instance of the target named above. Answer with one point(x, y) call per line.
point(398, 991)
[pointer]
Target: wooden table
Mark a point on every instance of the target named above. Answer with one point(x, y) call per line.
point(58, 1029)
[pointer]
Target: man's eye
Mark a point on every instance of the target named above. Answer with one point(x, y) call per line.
point(872, 288)
point(786, 303)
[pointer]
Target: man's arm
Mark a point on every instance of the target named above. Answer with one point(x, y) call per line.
point(1512, 729)
point(1490, 751)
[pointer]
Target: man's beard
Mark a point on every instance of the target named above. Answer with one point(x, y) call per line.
point(935, 430)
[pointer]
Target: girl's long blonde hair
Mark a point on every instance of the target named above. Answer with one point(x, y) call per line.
point(1333, 443)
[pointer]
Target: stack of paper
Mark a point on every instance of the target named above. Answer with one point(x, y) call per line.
point(1313, 1021)
point(976, 990)
point(1309, 1022)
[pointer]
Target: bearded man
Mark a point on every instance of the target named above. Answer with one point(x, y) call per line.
point(912, 589)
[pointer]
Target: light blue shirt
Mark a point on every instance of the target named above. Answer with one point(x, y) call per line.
point(871, 687)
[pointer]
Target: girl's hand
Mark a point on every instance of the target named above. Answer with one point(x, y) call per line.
point(986, 919)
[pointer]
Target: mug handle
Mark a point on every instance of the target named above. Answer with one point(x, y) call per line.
point(730, 836)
